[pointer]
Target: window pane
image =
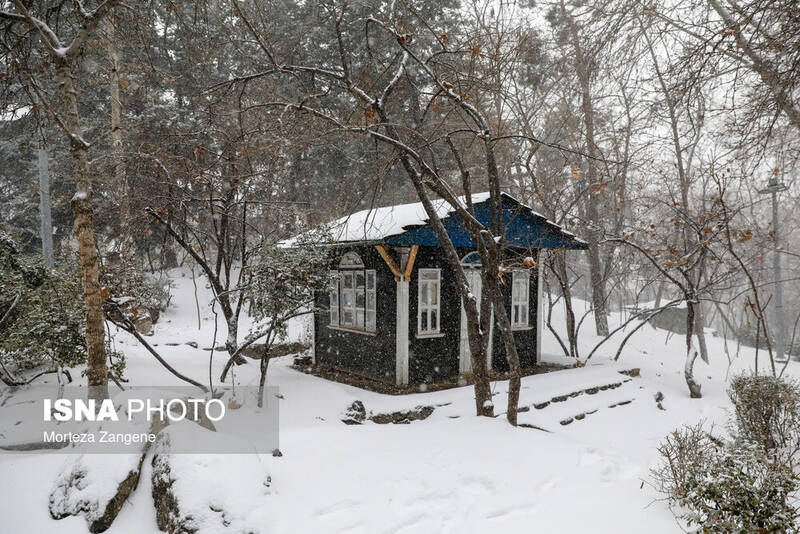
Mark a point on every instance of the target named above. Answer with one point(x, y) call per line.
point(370, 321)
point(347, 280)
point(347, 298)
point(434, 320)
point(347, 317)
point(423, 294)
point(370, 301)
point(423, 325)
point(351, 259)
point(434, 289)
point(519, 292)
point(430, 275)
point(360, 279)
point(360, 318)
point(359, 298)
point(370, 279)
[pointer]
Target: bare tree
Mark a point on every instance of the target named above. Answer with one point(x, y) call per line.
point(413, 72)
point(65, 57)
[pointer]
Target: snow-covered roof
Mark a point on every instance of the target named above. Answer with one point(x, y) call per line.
point(377, 225)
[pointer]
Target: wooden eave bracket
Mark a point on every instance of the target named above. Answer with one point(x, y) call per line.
point(383, 250)
point(410, 264)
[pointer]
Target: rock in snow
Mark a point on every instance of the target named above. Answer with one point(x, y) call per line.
point(403, 417)
point(205, 493)
point(355, 413)
point(97, 485)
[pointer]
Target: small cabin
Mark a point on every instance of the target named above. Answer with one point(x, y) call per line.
point(394, 313)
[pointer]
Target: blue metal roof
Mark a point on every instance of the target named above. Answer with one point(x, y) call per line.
point(522, 228)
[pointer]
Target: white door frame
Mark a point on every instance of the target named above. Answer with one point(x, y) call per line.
point(401, 334)
point(464, 360)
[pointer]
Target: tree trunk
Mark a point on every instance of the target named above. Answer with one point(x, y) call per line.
point(475, 335)
point(700, 330)
point(561, 265)
point(491, 266)
point(120, 176)
point(688, 373)
point(263, 379)
point(96, 371)
point(44, 206)
point(478, 339)
point(514, 371)
point(596, 273)
point(691, 352)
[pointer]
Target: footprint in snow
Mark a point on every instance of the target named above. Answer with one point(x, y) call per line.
point(547, 485)
point(340, 506)
point(511, 511)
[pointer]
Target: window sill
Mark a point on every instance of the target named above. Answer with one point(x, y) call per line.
point(428, 336)
point(521, 328)
point(352, 330)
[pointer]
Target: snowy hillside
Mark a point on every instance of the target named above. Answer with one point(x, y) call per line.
point(584, 468)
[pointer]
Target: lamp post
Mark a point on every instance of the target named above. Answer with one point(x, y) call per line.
point(773, 188)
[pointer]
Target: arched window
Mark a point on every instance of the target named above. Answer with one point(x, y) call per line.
point(353, 296)
point(351, 260)
point(473, 259)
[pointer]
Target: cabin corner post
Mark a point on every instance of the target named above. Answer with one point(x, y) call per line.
point(539, 305)
point(401, 333)
point(313, 352)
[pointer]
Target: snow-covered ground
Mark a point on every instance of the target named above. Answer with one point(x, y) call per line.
point(452, 472)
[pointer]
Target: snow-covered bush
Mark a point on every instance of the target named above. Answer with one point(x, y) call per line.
point(41, 314)
point(282, 287)
point(739, 489)
point(283, 283)
point(767, 413)
point(684, 452)
point(746, 484)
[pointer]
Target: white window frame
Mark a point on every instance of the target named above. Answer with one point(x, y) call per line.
point(361, 313)
point(344, 293)
point(371, 304)
point(333, 302)
point(520, 300)
point(427, 309)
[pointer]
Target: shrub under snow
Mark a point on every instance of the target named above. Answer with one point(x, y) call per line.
point(746, 484)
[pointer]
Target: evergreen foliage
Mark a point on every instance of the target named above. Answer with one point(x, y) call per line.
point(740, 490)
point(767, 413)
point(283, 283)
point(42, 323)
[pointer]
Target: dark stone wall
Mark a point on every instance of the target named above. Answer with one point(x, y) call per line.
point(525, 339)
point(436, 358)
point(431, 359)
point(368, 354)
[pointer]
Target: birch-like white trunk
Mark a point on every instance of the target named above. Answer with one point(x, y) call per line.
point(44, 207)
